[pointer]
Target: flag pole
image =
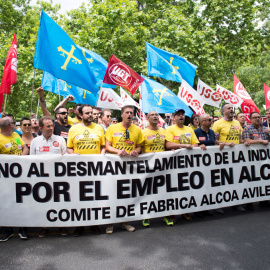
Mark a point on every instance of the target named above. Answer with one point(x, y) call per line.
point(37, 108)
point(99, 93)
point(33, 90)
point(58, 90)
point(5, 102)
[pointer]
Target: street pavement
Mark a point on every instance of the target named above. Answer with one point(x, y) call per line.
point(235, 240)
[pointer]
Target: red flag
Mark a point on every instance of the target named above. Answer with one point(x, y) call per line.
point(267, 95)
point(248, 106)
point(10, 69)
point(1, 101)
point(118, 73)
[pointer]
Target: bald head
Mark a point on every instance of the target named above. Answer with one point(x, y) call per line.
point(5, 121)
point(205, 120)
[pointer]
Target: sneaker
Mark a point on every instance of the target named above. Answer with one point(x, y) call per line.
point(173, 218)
point(109, 229)
point(168, 221)
point(240, 208)
point(95, 229)
point(78, 231)
point(249, 206)
point(126, 226)
point(43, 233)
point(23, 234)
point(146, 222)
point(6, 236)
point(220, 211)
point(63, 231)
point(187, 217)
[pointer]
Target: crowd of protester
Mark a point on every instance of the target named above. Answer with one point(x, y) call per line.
point(94, 131)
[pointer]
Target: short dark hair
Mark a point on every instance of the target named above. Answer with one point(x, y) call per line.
point(252, 114)
point(81, 108)
point(127, 106)
point(24, 119)
point(46, 117)
point(58, 109)
point(78, 105)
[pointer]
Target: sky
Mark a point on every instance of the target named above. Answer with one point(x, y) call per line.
point(66, 5)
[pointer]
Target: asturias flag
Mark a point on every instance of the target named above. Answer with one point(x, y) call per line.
point(118, 73)
point(62, 88)
point(10, 69)
point(157, 97)
point(169, 66)
point(57, 54)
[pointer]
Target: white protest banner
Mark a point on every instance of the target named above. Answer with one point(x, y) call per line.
point(127, 99)
point(80, 190)
point(108, 99)
point(191, 97)
point(229, 97)
point(208, 95)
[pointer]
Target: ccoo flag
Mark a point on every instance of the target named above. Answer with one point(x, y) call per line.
point(118, 73)
point(156, 97)
point(57, 54)
point(248, 105)
point(169, 66)
point(62, 88)
point(267, 95)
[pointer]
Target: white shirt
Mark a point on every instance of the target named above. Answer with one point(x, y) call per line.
point(55, 145)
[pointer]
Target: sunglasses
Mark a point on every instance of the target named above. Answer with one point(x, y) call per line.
point(167, 117)
point(29, 125)
point(63, 113)
point(210, 120)
point(108, 116)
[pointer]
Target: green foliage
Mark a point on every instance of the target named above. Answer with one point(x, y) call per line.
point(220, 37)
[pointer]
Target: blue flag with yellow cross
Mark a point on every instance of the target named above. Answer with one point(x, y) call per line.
point(62, 88)
point(57, 54)
point(169, 66)
point(157, 97)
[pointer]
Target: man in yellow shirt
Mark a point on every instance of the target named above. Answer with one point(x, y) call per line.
point(180, 136)
point(154, 141)
point(124, 139)
point(86, 138)
point(227, 130)
point(11, 144)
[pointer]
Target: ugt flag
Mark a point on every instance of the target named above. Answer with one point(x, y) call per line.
point(98, 65)
point(248, 105)
point(62, 88)
point(267, 95)
point(57, 54)
point(169, 66)
point(157, 97)
point(10, 69)
point(118, 73)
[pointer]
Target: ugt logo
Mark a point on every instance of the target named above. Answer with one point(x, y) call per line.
point(120, 75)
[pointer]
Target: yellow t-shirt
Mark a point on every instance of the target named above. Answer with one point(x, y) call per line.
point(154, 140)
point(184, 135)
point(72, 121)
point(124, 139)
point(229, 131)
point(86, 140)
point(11, 145)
